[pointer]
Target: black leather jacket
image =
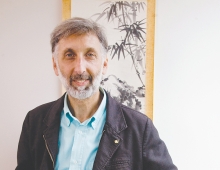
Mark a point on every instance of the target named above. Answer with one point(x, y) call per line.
point(138, 145)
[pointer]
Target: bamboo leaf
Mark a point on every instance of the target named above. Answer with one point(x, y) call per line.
point(125, 3)
point(123, 52)
point(138, 36)
point(116, 49)
point(112, 48)
point(110, 12)
point(119, 52)
point(131, 44)
point(143, 5)
point(107, 2)
point(141, 37)
point(107, 15)
point(96, 14)
point(141, 22)
point(142, 30)
point(123, 13)
point(129, 17)
point(138, 4)
point(115, 10)
point(100, 16)
point(125, 25)
point(126, 36)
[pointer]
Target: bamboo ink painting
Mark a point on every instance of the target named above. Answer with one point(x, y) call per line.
point(125, 25)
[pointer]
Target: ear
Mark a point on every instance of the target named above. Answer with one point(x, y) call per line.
point(105, 65)
point(55, 66)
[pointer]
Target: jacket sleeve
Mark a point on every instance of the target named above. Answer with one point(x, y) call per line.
point(155, 153)
point(23, 154)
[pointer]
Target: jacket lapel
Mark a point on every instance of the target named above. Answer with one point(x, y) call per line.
point(110, 141)
point(51, 133)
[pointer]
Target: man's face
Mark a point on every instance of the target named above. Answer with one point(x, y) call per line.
point(79, 62)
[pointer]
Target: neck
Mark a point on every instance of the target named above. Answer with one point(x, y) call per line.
point(86, 108)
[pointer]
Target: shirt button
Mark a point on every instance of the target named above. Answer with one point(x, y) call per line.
point(75, 161)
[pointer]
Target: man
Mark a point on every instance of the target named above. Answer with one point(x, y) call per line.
point(86, 129)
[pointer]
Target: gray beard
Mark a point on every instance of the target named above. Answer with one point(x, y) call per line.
point(81, 92)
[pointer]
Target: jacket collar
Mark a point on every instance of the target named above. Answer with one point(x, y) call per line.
point(53, 115)
point(115, 117)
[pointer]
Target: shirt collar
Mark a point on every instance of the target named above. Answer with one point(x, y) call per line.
point(93, 121)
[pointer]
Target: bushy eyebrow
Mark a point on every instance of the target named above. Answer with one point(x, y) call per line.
point(68, 50)
point(91, 49)
point(86, 50)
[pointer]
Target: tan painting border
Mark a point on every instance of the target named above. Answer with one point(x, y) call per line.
point(66, 9)
point(150, 58)
point(66, 14)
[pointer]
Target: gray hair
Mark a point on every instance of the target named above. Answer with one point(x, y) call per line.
point(78, 26)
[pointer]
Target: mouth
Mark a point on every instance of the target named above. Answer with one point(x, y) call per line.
point(80, 82)
point(80, 79)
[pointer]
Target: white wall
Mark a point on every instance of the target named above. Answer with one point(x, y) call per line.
point(187, 81)
point(27, 77)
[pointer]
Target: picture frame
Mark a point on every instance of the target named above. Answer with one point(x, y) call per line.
point(67, 12)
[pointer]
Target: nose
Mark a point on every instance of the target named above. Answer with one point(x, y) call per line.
point(79, 65)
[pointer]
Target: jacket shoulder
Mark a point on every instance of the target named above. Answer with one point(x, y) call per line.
point(134, 115)
point(42, 110)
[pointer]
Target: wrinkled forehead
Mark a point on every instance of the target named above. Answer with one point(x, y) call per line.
point(80, 38)
point(83, 37)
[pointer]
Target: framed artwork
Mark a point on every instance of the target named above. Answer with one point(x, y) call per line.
point(130, 31)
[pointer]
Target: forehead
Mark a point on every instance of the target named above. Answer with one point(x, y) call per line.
point(88, 40)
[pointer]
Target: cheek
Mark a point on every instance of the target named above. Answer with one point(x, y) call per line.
point(66, 70)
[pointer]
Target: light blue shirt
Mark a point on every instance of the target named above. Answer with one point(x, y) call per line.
point(78, 142)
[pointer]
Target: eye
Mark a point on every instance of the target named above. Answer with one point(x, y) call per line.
point(90, 55)
point(69, 55)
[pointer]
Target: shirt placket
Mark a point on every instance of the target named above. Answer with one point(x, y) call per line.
point(78, 148)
